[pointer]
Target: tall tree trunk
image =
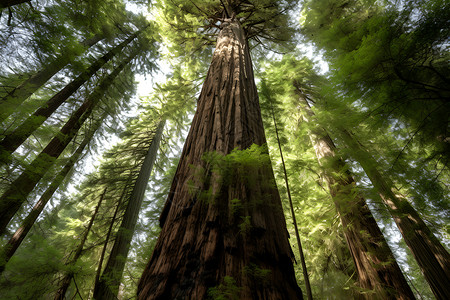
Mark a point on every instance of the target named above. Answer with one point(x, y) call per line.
point(65, 281)
point(432, 258)
point(9, 3)
point(294, 219)
point(108, 285)
point(20, 93)
point(375, 264)
point(19, 189)
point(231, 234)
point(13, 244)
point(108, 235)
point(13, 140)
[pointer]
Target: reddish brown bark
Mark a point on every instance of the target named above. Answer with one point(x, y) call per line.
point(201, 240)
point(432, 258)
point(16, 194)
point(378, 271)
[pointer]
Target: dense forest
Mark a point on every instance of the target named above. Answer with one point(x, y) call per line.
point(224, 149)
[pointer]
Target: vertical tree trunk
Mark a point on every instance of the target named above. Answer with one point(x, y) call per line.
point(13, 244)
point(65, 281)
point(108, 235)
point(13, 140)
point(108, 285)
point(19, 189)
point(294, 220)
point(226, 234)
point(19, 94)
point(432, 258)
point(376, 266)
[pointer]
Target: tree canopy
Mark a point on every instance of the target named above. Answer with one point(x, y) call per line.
point(242, 145)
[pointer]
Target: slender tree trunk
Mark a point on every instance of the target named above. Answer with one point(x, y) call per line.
point(65, 282)
point(108, 285)
point(223, 233)
point(19, 94)
point(13, 140)
point(432, 258)
point(19, 189)
point(375, 264)
point(294, 219)
point(13, 244)
point(108, 235)
point(9, 3)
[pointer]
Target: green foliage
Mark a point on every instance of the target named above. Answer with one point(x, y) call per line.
point(239, 164)
point(389, 61)
point(31, 273)
point(228, 290)
point(327, 257)
point(256, 273)
point(245, 226)
point(388, 83)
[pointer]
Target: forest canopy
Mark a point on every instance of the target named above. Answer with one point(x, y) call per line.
point(224, 149)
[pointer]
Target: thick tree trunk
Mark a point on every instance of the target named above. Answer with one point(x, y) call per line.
point(375, 264)
point(19, 189)
point(9, 3)
point(19, 94)
point(10, 248)
point(223, 234)
point(65, 281)
point(108, 285)
point(432, 258)
point(13, 140)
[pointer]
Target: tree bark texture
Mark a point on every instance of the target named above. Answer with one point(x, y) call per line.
point(432, 258)
point(19, 189)
point(19, 94)
point(375, 264)
point(67, 278)
point(108, 285)
point(14, 139)
point(208, 243)
point(13, 244)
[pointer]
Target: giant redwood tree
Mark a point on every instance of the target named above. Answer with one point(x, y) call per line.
point(223, 229)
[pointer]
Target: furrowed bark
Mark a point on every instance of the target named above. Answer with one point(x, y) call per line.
point(377, 269)
point(432, 258)
point(13, 140)
point(65, 281)
point(108, 285)
point(217, 231)
point(16, 240)
point(12, 199)
point(19, 94)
